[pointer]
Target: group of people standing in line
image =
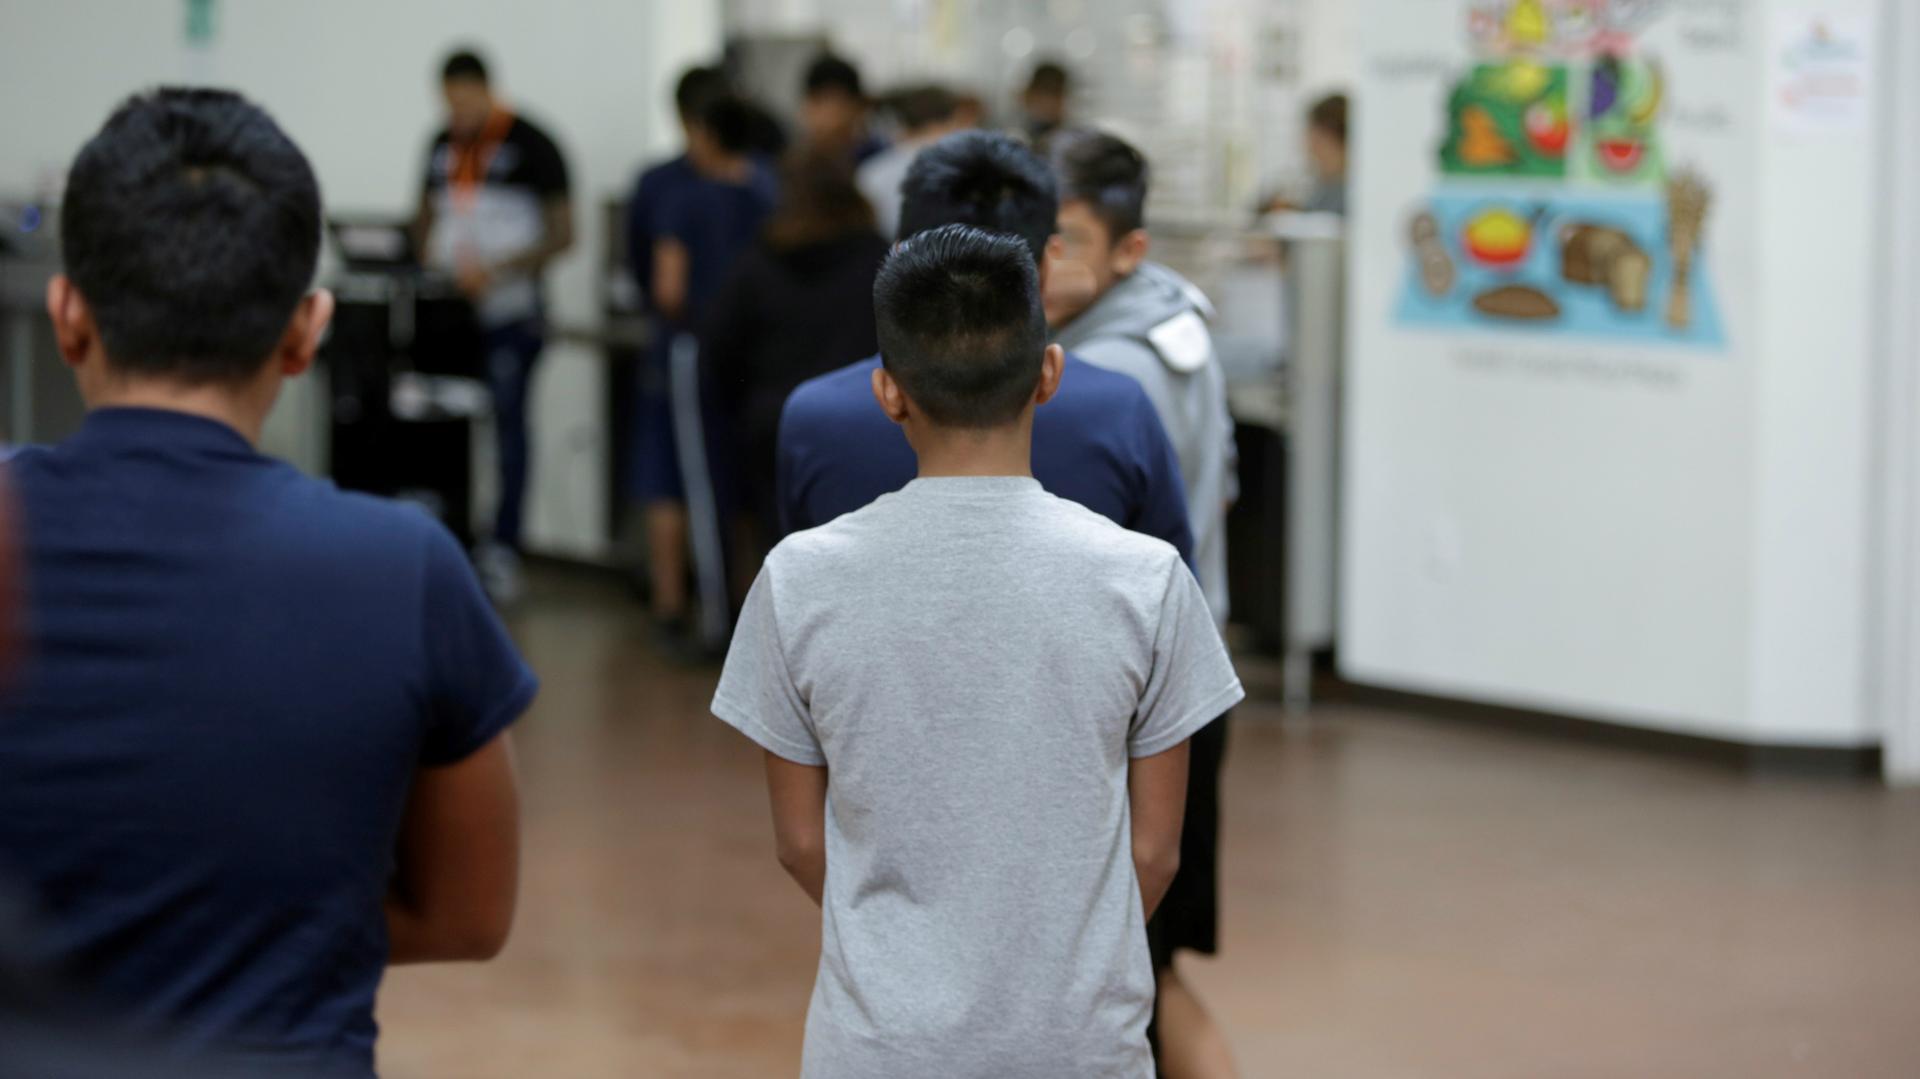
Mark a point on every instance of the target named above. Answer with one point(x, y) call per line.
point(259, 747)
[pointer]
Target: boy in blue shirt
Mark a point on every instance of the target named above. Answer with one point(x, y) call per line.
point(1099, 443)
point(258, 749)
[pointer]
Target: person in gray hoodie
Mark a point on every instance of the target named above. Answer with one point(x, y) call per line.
point(1142, 319)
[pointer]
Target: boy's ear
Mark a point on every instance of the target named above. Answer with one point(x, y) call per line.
point(1053, 368)
point(305, 331)
point(892, 400)
point(74, 330)
point(1130, 252)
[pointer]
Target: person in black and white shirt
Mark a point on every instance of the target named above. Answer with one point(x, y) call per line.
point(495, 210)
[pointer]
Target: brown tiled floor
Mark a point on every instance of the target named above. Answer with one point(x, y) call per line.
point(1403, 897)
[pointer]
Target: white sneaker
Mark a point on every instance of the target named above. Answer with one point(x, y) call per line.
point(499, 568)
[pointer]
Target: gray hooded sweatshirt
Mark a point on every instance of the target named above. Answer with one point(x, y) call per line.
point(1152, 325)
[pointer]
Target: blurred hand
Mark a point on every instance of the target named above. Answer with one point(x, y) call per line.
point(474, 279)
point(1069, 290)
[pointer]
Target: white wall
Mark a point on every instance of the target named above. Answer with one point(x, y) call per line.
point(1637, 532)
point(355, 83)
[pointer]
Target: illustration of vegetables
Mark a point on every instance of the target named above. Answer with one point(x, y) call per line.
point(1687, 200)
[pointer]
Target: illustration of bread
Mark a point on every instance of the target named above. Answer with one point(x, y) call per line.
point(1593, 254)
point(1519, 303)
point(1627, 279)
point(1687, 199)
point(1436, 266)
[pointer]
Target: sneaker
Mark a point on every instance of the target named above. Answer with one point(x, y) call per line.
point(499, 568)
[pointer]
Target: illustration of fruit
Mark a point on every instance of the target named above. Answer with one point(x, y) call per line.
point(1528, 23)
point(1498, 238)
point(1481, 144)
point(1605, 89)
point(1644, 109)
point(1547, 127)
point(1620, 154)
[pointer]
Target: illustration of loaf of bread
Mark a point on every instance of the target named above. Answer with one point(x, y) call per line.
point(1436, 266)
point(1593, 254)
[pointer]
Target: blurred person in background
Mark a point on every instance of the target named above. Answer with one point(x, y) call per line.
point(700, 228)
point(925, 114)
point(969, 111)
point(495, 210)
point(798, 304)
point(1150, 324)
point(1043, 104)
point(1327, 159)
point(833, 110)
point(259, 751)
point(1099, 442)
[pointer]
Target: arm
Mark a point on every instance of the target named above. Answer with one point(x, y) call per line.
point(1157, 793)
point(669, 277)
point(556, 236)
point(799, 796)
point(422, 226)
point(453, 891)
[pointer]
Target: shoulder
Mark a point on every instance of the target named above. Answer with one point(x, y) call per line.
point(531, 134)
point(1102, 543)
point(829, 396)
point(1101, 388)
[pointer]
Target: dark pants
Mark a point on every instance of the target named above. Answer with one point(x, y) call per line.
point(1189, 915)
point(512, 352)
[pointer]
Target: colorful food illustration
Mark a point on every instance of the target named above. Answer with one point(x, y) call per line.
point(1687, 199)
point(1592, 254)
point(1624, 97)
point(1619, 154)
point(1511, 119)
point(1497, 238)
point(1520, 303)
point(1436, 266)
point(1527, 23)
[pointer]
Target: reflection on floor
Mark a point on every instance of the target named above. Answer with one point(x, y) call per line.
point(1404, 897)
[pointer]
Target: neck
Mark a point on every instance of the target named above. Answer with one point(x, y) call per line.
point(998, 451)
point(238, 408)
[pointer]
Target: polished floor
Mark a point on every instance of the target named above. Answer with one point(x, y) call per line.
point(1404, 897)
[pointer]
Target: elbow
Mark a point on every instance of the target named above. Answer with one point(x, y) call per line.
point(1158, 865)
point(798, 856)
point(482, 941)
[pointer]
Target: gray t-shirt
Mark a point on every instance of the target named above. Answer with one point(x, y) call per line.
point(975, 662)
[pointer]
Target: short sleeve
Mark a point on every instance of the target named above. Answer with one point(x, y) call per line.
point(477, 684)
point(1192, 682)
point(757, 695)
point(545, 170)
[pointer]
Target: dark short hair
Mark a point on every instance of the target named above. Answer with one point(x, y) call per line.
point(1107, 174)
point(465, 64)
point(1329, 114)
point(922, 106)
point(730, 121)
point(1049, 77)
point(697, 86)
point(960, 324)
point(984, 179)
point(832, 74)
point(191, 225)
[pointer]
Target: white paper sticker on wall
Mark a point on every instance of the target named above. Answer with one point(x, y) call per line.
point(1820, 72)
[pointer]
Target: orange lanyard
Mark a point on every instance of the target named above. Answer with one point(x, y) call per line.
point(471, 158)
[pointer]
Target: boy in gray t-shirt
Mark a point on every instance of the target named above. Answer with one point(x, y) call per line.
point(975, 699)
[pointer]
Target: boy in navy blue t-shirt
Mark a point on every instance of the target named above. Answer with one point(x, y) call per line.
point(256, 751)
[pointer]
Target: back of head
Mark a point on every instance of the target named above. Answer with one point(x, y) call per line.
point(729, 121)
point(191, 226)
point(830, 74)
point(464, 65)
point(922, 107)
point(983, 179)
point(1049, 79)
point(1107, 174)
point(698, 86)
point(960, 325)
point(1329, 114)
point(819, 201)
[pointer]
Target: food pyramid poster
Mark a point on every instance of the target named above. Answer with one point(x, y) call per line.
point(1558, 207)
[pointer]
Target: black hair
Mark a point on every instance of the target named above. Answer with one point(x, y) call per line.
point(832, 74)
point(465, 64)
point(984, 179)
point(922, 106)
point(1049, 77)
point(1329, 114)
point(1107, 174)
point(730, 121)
point(960, 324)
point(697, 86)
point(191, 225)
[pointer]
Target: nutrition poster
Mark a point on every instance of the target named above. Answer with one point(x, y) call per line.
point(1563, 201)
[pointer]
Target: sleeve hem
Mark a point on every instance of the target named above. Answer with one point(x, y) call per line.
point(742, 720)
point(499, 718)
point(1197, 717)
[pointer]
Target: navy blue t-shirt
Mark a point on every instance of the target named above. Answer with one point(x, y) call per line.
point(1098, 442)
point(714, 220)
point(233, 673)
